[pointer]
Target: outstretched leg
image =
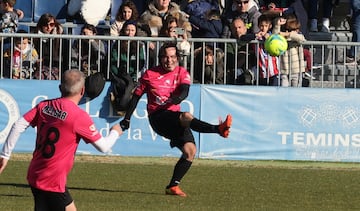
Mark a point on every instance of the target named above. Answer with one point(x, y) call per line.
point(188, 120)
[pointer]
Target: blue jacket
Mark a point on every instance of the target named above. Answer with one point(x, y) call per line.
point(203, 28)
point(199, 8)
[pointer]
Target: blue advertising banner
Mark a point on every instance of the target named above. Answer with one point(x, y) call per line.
point(283, 123)
point(19, 96)
point(269, 123)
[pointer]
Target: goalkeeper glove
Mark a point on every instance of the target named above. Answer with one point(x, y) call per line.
point(124, 124)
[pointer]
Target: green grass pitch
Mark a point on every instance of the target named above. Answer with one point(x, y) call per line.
point(133, 183)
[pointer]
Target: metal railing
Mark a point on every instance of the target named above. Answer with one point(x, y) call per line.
point(57, 53)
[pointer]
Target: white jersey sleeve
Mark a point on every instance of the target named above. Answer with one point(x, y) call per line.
point(18, 127)
point(104, 144)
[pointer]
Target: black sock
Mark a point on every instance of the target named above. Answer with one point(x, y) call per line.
point(203, 127)
point(181, 167)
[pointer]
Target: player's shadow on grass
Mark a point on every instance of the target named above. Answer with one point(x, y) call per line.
point(16, 185)
point(114, 191)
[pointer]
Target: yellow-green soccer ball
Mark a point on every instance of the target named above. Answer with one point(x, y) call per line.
point(276, 45)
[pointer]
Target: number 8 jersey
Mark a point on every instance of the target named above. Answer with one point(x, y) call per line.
point(60, 125)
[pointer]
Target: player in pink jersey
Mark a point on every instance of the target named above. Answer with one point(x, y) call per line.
point(60, 124)
point(166, 86)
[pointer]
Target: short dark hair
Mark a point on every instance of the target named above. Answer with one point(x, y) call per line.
point(265, 18)
point(89, 27)
point(18, 39)
point(168, 45)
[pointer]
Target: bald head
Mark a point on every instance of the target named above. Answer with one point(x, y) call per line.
point(72, 83)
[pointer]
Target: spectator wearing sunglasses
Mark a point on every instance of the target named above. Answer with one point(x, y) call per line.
point(48, 48)
point(248, 10)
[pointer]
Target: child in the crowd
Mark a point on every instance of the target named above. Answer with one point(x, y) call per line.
point(292, 61)
point(268, 65)
point(89, 54)
point(24, 59)
point(209, 65)
point(307, 54)
point(127, 11)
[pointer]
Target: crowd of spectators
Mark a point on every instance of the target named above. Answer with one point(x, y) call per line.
point(181, 20)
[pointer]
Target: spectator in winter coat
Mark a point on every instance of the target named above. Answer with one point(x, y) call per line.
point(243, 51)
point(292, 63)
point(208, 27)
point(151, 21)
point(200, 8)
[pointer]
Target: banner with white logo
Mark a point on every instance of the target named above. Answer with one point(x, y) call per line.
point(269, 123)
point(276, 123)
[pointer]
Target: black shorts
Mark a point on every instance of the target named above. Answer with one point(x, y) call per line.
point(167, 124)
point(46, 200)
